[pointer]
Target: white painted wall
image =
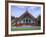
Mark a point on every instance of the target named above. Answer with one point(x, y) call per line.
point(25, 20)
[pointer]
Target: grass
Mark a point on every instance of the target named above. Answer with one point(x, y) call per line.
point(20, 29)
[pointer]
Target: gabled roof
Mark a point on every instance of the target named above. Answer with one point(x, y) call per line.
point(25, 14)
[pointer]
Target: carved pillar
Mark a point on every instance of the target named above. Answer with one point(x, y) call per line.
point(36, 22)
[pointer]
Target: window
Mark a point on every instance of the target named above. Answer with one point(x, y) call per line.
point(23, 21)
point(29, 21)
point(26, 20)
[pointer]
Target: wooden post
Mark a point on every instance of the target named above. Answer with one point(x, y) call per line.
point(36, 22)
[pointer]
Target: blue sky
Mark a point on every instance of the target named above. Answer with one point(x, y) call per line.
point(17, 11)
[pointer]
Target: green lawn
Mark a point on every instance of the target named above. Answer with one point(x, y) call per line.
point(20, 29)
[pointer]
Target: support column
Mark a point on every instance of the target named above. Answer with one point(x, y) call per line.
point(36, 22)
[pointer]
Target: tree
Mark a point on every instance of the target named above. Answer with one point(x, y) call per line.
point(12, 17)
point(39, 20)
point(13, 21)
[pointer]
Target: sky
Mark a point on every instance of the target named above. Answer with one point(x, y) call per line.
point(17, 11)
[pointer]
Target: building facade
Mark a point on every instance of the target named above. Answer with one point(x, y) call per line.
point(26, 19)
